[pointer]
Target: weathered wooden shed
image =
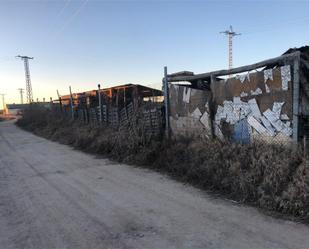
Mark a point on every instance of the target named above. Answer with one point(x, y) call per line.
point(117, 96)
point(266, 100)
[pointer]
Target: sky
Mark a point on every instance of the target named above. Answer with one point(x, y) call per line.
point(83, 43)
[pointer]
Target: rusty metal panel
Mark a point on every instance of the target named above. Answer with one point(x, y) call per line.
point(269, 90)
point(189, 109)
point(226, 90)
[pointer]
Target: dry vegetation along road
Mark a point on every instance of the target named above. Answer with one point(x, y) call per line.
point(52, 196)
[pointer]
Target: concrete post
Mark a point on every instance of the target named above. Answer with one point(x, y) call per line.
point(166, 104)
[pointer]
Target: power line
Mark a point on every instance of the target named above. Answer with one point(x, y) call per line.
point(72, 17)
point(63, 8)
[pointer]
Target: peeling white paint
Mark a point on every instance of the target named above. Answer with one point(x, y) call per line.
point(231, 116)
point(207, 105)
point(243, 77)
point(270, 130)
point(268, 75)
point(277, 106)
point(256, 125)
point(284, 117)
point(287, 130)
point(285, 77)
point(272, 117)
point(257, 91)
point(228, 107)
point(220, 114)
point(218, 132)
point(277, 123)
point(243, 94)
point(232, 111)
point(242, 109)
point(268, 124)
point(267, 88)
point(205, 120)
point(248, 77)
point(196, 113)
point(245, 110)
point(254, 108)
point(237, 103)
point(186, 94)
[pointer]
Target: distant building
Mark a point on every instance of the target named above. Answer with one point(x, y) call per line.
point(117, 96)
point(16, 109)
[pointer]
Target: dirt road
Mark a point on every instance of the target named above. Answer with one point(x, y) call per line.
point(52, 196)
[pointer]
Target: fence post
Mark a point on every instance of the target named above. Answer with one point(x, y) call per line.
point(72, 105)
point(60, 103)
point(295, 97)
point(212, 87)
point(166, 103)
point(100, 104)
point(305, 145)
point(51, 103)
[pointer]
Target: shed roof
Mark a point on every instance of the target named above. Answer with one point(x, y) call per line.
point(194, 78)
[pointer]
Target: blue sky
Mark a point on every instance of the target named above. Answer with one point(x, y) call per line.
point(83, 43)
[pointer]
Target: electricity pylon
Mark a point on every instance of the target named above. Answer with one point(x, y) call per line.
point(3, 102)
point(230, 33)
point(21, 92)
point(27, 75)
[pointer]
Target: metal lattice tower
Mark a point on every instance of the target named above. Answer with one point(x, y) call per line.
point(230, 33)
point(3, 102)
point(27, 75)
point(21, 92)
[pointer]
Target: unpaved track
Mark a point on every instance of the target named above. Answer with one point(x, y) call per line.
point(52, 196)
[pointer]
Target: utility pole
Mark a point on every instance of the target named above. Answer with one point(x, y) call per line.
point(3, 102)
point(230, 33)
point(21, 92)
point(27, 75)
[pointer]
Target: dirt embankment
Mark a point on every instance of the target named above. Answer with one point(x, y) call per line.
point(272, 177)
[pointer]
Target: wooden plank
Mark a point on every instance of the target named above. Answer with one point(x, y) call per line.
point(166, 104)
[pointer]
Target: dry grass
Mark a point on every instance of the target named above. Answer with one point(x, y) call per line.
point(272, 177)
